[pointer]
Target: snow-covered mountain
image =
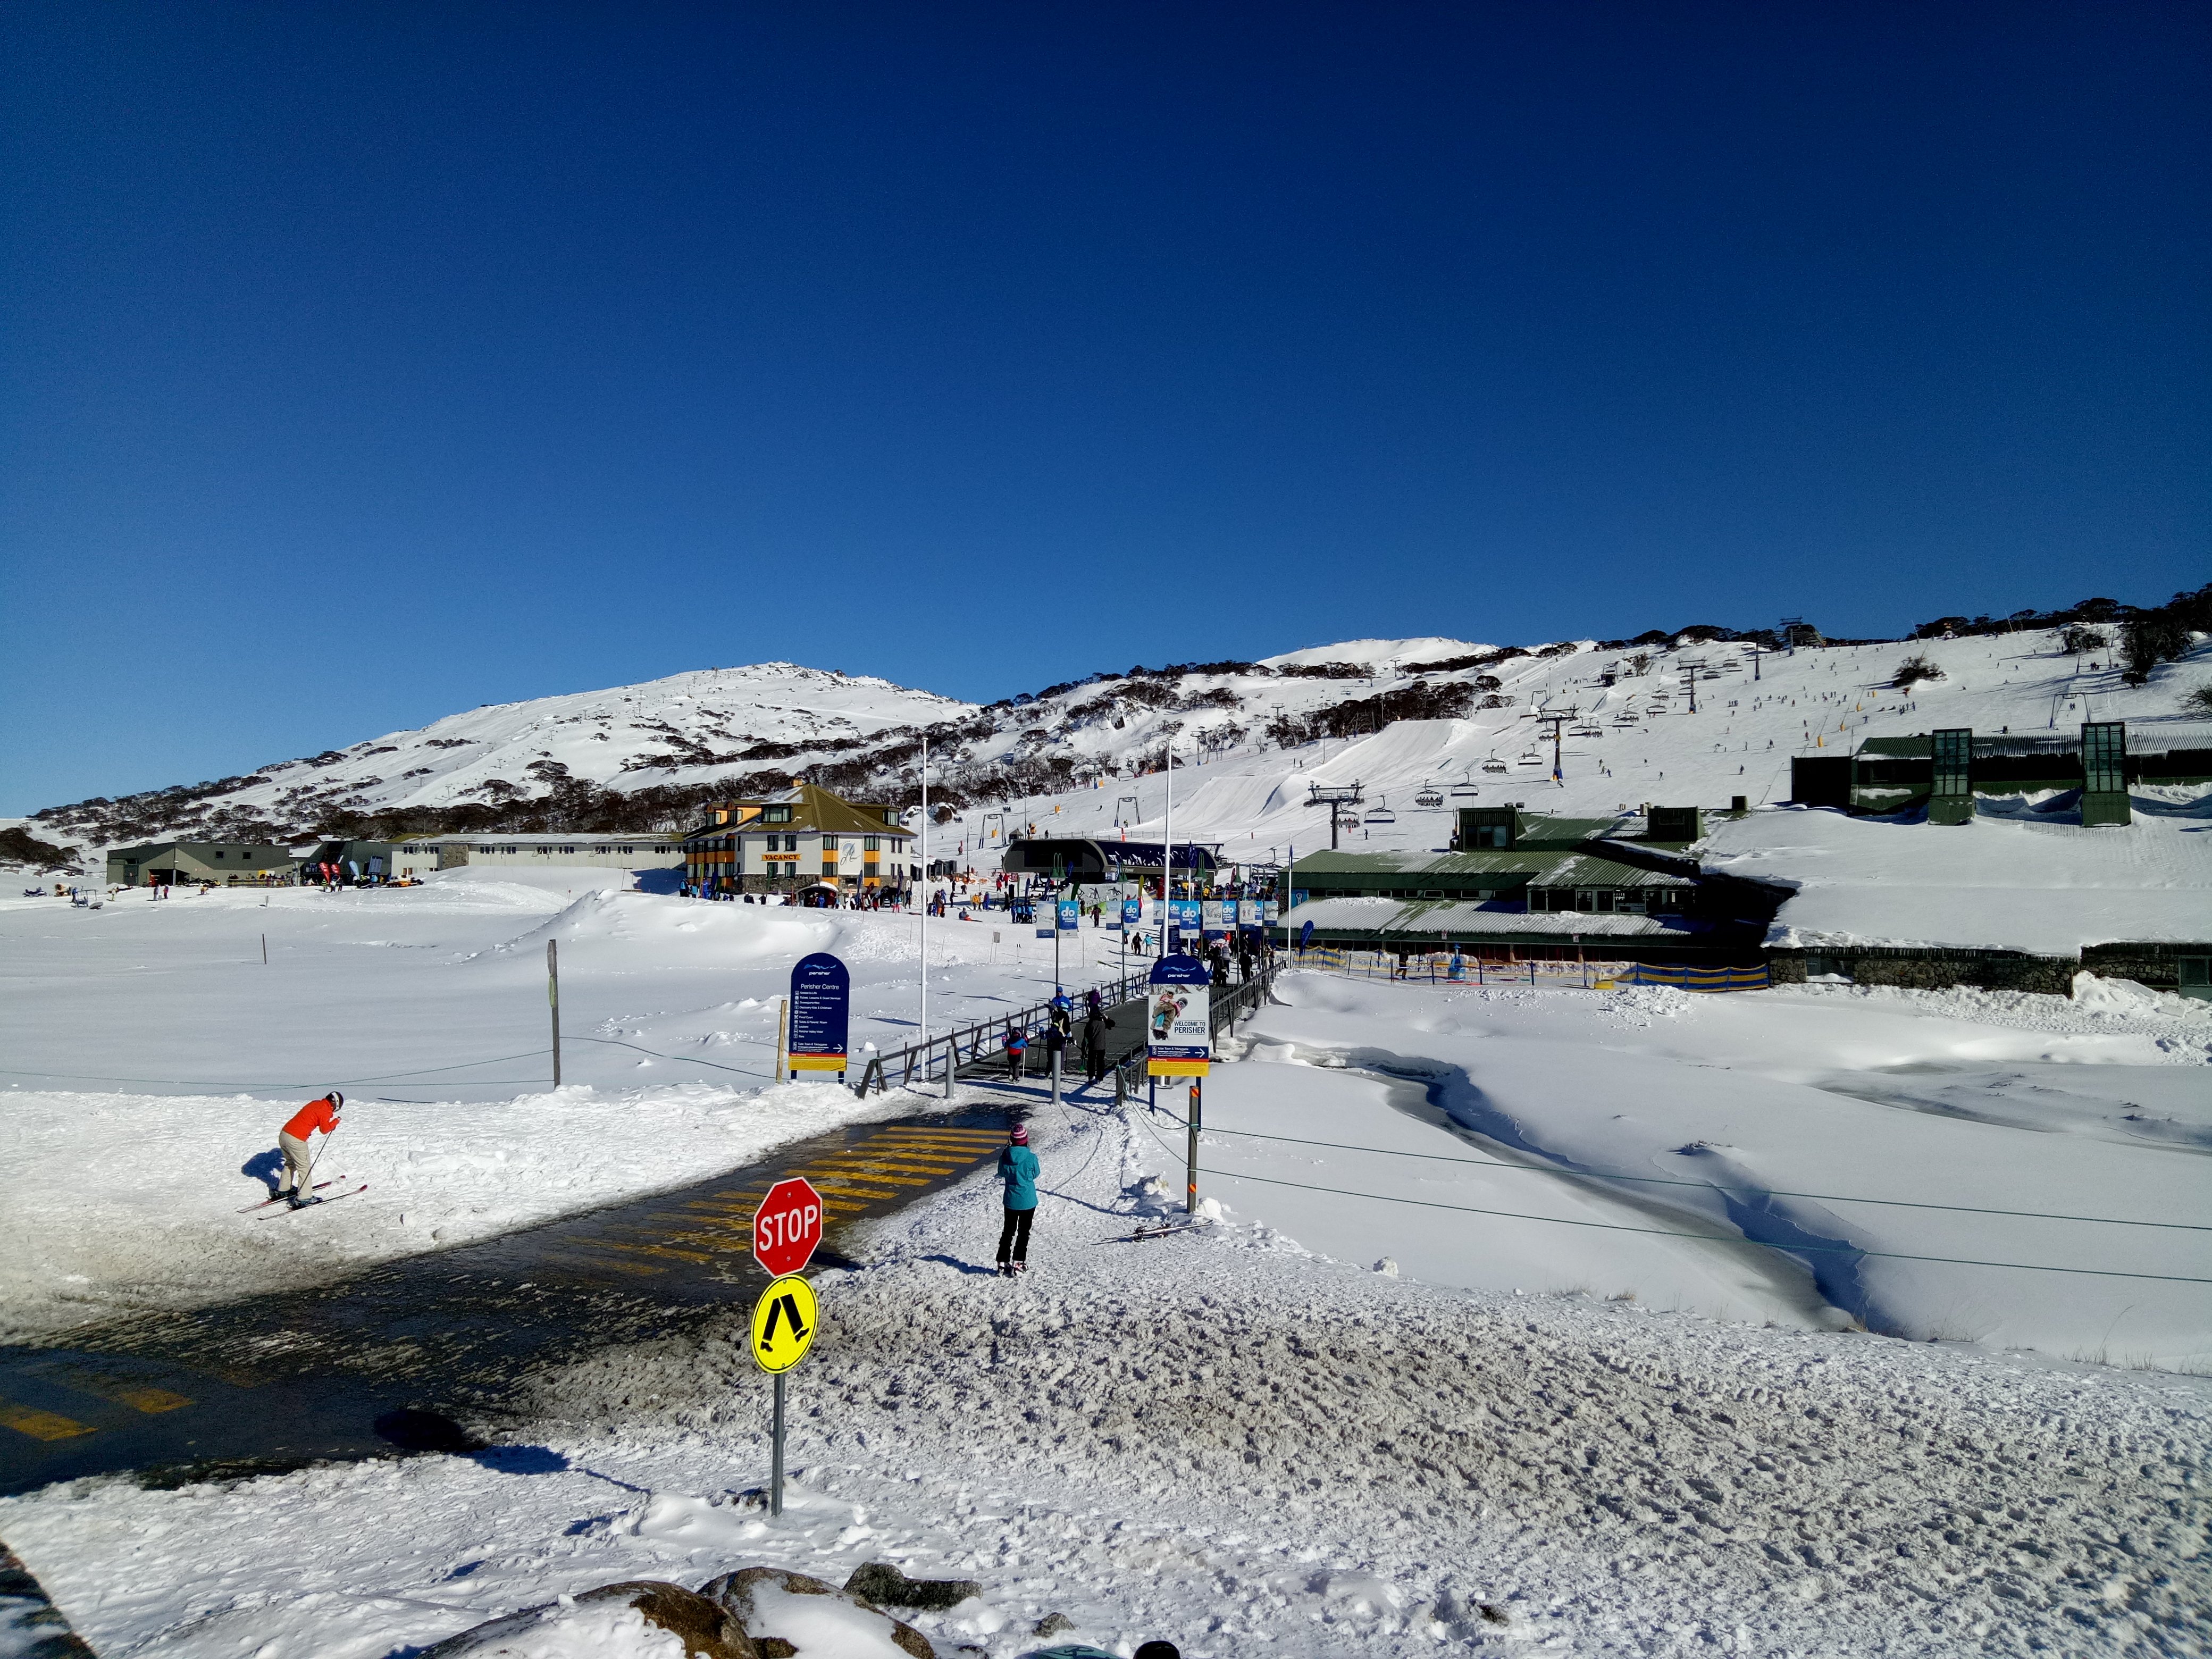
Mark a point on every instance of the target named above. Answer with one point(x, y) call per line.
point(1412, 721)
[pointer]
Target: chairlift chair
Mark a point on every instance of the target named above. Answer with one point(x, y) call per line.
point(1530, 757)
point(1494, 764)
point(1588, 729)
point(1381, 815)
point(1429, 796)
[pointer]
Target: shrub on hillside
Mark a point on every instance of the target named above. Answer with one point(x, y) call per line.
point(18, 846)
point(1913, 670)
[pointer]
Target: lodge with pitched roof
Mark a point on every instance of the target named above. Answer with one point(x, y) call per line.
point(807, 837)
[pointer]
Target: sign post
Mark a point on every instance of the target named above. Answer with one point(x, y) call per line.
point(552, 995)
point(786, 1228)
point(820, 1008)
point(1179, 1039)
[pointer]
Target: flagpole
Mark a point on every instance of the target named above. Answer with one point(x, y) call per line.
point(923, 885)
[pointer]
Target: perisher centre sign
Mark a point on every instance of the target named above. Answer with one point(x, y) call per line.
point(821, 1013)
point(1179, 1018)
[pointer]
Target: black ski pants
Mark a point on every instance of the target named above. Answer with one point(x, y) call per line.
point(1014, 1236)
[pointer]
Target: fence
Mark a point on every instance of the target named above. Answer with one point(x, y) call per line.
point(1433, 968)
point(964, 1048)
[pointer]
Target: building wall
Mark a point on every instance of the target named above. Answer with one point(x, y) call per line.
point(239, 865)
point(592, 852)
point(1929, 970)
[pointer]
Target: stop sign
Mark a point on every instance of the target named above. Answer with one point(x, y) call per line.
point(787, 1227)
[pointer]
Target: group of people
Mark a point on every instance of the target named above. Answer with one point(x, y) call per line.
point(1059, 1027)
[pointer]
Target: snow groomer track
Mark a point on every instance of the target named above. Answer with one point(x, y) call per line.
point(377, 1361)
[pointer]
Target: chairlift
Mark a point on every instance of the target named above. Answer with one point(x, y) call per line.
point(1493, 764)
point(1431, 795)
point(1379, 815)
point(1466, 791)
point(1587, 729)
point(1530, 757)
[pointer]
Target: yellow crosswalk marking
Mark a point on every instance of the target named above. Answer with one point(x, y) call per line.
point(861, 1178)
point(39, 1425)
point(886, 1160)
point(650, 1250)
point(152, 1401)
point(575, 1250)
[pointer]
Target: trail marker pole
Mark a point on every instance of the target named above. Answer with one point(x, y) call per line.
point(265, 949)
point(782, 1033)
point(553, 996)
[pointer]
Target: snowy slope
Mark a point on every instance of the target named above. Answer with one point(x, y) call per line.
point(1359, 710)
point(1251, 795)
point(688, 728)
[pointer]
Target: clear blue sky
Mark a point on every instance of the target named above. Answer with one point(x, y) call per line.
point(363, 363)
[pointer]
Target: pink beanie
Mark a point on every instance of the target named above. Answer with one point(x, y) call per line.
point(1021, 1134)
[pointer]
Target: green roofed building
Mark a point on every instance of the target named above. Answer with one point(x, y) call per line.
point(1940, 773)
point(1534, 886)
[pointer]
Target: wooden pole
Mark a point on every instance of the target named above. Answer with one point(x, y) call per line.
point(782, 1029)
point(553, 996)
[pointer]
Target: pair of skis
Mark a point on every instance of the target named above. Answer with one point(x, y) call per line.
point(279, 1199)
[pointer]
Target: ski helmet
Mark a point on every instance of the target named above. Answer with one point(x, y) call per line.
point(337, 1099)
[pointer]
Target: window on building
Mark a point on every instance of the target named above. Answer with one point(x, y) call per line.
point(829, 844)
point(568, 852)
point(218, 851)
point(871, 843)
point(2103, 757)
point(777, 815)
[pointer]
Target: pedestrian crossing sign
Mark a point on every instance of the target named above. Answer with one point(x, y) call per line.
point(785, 1320)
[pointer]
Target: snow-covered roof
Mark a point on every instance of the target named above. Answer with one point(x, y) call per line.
point(2016, 879)
point(1464, 918)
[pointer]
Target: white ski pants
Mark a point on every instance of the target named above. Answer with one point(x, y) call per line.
point(298, 1160)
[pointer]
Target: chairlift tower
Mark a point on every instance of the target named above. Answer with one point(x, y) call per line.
point(1334, 797)
point(1756, 651)
point(997, 832)
point(1690, 672)
point(1136, 810)
point(1556, 721)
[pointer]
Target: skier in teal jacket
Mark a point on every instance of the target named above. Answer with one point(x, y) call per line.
point(1018, 1168)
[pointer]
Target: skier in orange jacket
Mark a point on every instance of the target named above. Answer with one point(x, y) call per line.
point(294, 1188)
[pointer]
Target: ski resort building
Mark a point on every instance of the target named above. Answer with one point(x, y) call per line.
point(805, 837)
point(420, 856)
point(222, 863)
point(1519, 887)
point(1092, 860)
point(1941, 772)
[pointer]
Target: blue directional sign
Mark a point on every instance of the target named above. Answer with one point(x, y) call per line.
point(1071, 914)
point(821, 1013)
point(1133, 911)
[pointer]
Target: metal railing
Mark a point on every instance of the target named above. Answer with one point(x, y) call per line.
point(966, 1048)
point(972, 1050)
